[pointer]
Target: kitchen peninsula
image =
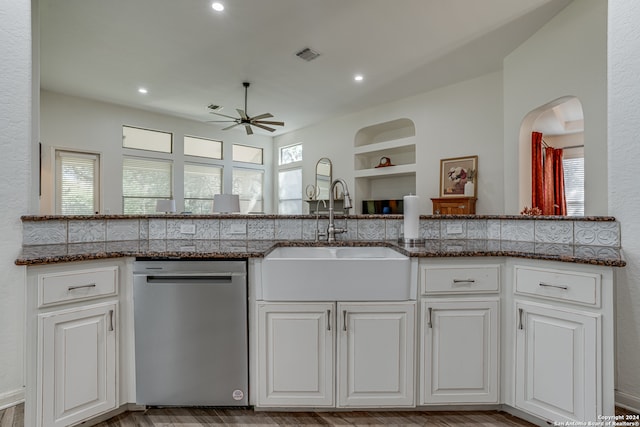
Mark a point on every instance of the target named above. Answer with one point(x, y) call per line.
point(489, 296)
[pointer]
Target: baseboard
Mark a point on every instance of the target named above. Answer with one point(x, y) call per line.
point(11, 398)
point(628, 401)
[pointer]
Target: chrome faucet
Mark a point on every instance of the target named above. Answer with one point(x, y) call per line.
point(332, 230)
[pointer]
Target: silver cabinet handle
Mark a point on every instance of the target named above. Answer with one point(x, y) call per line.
point(110, 320)
point(90, 285)
point(429, 324)
point(328, 320)
point(520, 318)
point(344, 320)
point(464, 281)
point(547, 285)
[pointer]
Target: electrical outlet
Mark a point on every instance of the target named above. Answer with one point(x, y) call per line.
point(454, 228)
point(188, 228)
point(238, 229)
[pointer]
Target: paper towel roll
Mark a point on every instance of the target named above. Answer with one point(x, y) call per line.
point(411, 217)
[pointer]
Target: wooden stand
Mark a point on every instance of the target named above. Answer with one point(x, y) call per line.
point(454, 205)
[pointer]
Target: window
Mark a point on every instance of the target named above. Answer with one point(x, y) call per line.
point(290, 154)
point(573, 165)
point(290, 179)
point(246, 154)
point(201, 182)
point(290, 191)
point(202, 147)
point(144, 181)
point(77, 183)
point(248, 184)
point(145, 139)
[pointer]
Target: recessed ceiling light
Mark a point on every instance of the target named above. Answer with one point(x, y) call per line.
point(358, 77)
point(217, 6)
point(142, 90)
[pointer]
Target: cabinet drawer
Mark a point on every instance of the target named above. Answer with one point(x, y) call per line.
point(462, 279)
point(56, 288)
point(572, 286)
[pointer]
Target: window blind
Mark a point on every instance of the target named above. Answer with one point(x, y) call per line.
point(76, 183)
point(144, 181)
point(201, 182)
point(574, 185)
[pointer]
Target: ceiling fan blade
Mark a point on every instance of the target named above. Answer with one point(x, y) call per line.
point(268, 122)
point(262, 116)
point(223, 115)
point(263, 127)
point(248, 129)
point(242, 114)
point(232, 126)
point(223, 121)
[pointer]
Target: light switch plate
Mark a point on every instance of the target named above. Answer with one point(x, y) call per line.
point(238, 229)
point(188, 228)
point(454, 228)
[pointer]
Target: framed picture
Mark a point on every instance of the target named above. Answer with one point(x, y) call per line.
point(458, 177)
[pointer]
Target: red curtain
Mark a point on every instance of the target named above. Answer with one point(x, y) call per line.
point(537, 190)
point(547, 178)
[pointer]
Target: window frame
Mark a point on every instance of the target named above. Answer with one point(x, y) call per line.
point(172, 143)
point(203, 158)
point(233, 159)
point(289, 167)
point(211, 165)
point(97, 178)
point(171, 163)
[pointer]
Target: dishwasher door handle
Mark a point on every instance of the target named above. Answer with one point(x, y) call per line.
point(222, 280)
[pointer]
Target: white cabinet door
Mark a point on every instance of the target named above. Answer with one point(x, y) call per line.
point(376, 354)
point(295, 354)
point(78, 364)
point(459, 351)
point(556, 362)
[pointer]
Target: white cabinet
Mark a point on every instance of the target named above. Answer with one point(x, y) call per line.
point(562, 324)
point(557, 356)
point(298, 364)
point(73, 333)
point(460, 332)
point(459, 351)
point(78, 363)
point(376, 354)
point(296, 351)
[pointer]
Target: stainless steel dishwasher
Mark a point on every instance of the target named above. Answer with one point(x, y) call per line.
point(191, 345)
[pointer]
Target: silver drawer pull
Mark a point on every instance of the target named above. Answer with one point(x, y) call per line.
point(520, 319)
point(429, 324)
point(344, 320)
point(328, 320)
point(547, 285)
point(464, 281)
point(110, 320)
point(73, 288)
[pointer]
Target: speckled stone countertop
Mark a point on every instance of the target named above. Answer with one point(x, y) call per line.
point(242, 249)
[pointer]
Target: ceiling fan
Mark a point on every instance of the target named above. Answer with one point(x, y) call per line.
point(245, 119)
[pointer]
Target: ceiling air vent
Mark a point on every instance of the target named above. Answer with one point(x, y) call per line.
point(307, 54)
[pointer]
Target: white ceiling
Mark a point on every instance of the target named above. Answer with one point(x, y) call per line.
point(189, 56)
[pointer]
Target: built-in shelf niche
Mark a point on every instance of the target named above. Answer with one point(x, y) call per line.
point(396, 140)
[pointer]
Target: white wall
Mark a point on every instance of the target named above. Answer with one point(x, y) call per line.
point(624, 198)
point(566, 57)
point(15, 187)
point(458, 120)
point(83, 124)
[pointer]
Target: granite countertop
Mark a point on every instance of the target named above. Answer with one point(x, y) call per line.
point(242, 249)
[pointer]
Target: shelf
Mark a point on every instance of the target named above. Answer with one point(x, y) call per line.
point(399, 170)
point(389, 148)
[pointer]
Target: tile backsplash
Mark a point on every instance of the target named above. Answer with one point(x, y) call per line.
point(591, 232)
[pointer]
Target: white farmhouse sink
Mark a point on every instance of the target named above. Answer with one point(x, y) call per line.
point(336, 274)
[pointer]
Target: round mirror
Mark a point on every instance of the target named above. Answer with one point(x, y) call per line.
point(323, 178)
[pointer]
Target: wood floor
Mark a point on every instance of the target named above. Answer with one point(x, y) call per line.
point(246, 417)
point(194, 417)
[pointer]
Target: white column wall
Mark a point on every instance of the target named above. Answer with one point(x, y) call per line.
point(624, 198)
point(15, 187)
